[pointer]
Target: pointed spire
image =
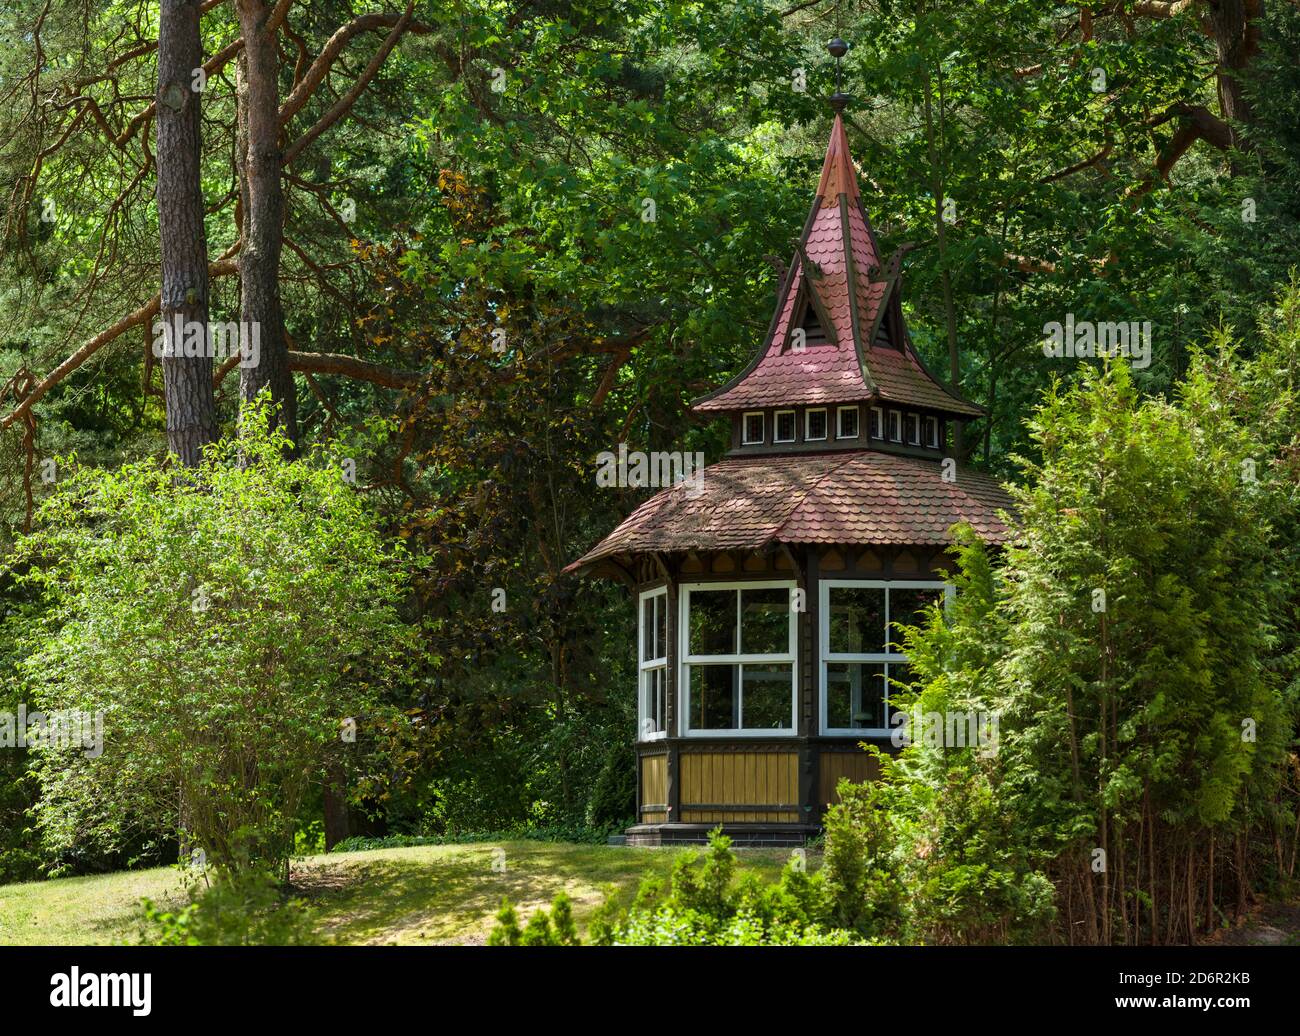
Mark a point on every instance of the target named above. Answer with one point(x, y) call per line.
point(863, 352)
point(838, 175)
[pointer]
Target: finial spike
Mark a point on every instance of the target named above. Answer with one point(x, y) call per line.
point(837, 48)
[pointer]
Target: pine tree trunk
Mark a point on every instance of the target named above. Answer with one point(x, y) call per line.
point(187, 380)
point(1233, 24)
point(263, 216)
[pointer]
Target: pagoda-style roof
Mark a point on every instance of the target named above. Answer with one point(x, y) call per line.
point(839, 286)
point(857, 497)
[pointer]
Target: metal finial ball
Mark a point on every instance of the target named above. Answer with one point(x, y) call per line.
point(838, 48)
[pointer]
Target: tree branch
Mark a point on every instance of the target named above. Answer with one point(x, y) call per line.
point(319, 68)
point(223, 267)
point(344, 103)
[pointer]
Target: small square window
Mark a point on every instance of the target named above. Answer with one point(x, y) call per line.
point(752, 433)
point(848, 422)
point(895, 426)
point(815, 425)
point(783, 429)
point(877, 423)
point(932, 432)
point(914, 429)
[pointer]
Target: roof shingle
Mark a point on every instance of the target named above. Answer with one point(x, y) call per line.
point(839, 241)
point(855, 497)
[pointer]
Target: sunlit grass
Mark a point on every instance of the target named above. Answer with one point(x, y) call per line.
point(419, 895)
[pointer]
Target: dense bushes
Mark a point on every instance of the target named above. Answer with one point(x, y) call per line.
point(1127, 643)
point(236, 910)
point(707, 901)
point(230, 629)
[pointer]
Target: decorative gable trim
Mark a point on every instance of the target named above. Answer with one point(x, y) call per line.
point(808, 297)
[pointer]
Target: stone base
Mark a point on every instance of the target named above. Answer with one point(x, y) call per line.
point(743, 836)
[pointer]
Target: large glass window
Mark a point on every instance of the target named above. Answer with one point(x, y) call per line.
point(861, 660)
point(652, 657)
point(738, 669)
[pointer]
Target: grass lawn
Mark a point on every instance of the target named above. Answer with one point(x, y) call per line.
point(422, 895)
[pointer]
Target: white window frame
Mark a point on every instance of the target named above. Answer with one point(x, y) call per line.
point(839, 422)
point(824, 656)
point(932, 433)
point(895, 419)
point(826, 417)
point(877, 429)
point(744, 428)
point(776, 426)
point(911, 421)
point(686, 659)
point(644, 667)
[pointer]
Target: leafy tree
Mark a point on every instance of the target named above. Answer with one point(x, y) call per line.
point(1122, 641)
point(230, 627)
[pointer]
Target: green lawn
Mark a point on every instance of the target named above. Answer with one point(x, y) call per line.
point(422, 895)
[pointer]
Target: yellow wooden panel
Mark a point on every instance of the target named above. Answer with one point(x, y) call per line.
point(654, 780)
point(856, 766)
point(725, 779)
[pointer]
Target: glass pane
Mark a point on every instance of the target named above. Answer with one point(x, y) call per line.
point(661, 626)
point(839, 695)
point(857, 620)
point(714, 704)
point(785, 426)
point(654, 717)
point(767, 698)
point(765, 621)
point(848, 424)
point(816, 424)
point(713, 622)
point(648, 629)
point(661, 699)
point(855, 695)
point(900, 673)
point(906, 607)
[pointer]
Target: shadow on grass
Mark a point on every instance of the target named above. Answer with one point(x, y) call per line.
point(451, 894)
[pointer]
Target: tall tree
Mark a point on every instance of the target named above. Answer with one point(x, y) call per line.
point(183, 242)
point(262, 196)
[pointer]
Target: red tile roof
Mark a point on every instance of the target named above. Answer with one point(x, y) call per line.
point(839, 241)
point(855, 497)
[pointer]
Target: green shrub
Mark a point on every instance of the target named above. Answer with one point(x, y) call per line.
point(224, 625)
point(705, 902)
point(246, 909)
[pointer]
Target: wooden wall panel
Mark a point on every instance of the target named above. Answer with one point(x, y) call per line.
point(654, 788)
point(745, 781)
point(856, 766)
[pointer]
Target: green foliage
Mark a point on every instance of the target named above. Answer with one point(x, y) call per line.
point(224, 624)
point(579, 834)
point(1125, 642)
point(243, 910)
point(506, 932)
point(554, 929)
point(862, 864)
point(703, 903)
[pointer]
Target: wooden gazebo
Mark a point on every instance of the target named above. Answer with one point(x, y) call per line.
point(766, 597)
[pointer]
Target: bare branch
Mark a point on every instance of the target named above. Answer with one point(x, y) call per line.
point(319, 68)
point(344, 103)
